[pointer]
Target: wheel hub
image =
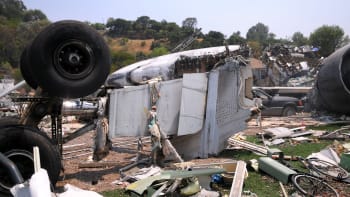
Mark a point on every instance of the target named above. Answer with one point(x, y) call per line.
point(74, 59)
point(24, 162)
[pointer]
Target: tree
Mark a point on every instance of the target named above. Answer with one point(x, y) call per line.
point(159, 51)
point(236, 38)
point(141, 24)
point(98, 26)
point(258, 32)
point(256, 48)
point(121, 59)
point(299, 39)
point(118, 27)
point(213, 38)
point(12, 9)
point(190, 23)
point(328, 38)
point(34, 15)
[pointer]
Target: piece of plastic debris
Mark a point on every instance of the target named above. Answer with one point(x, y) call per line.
point(39, 184)
point(328, 155)
point(278, 132)
point(254, 164)
point(206, 193)
point(146, 172)
point(277, 141)
point(301, 139)
point(20, 190)
point(217, 178)
point(190, 189)
point(71, 190)
point(346, 147)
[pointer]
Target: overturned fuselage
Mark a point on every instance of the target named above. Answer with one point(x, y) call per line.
point(331, 91)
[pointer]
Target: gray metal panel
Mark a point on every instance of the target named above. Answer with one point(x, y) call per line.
point(224, 114)
point(128, 112)
point(193, 102)
point(168, 106)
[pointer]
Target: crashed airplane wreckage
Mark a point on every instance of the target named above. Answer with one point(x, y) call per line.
point(200, 98)
point(331, 91)
point(204, 98)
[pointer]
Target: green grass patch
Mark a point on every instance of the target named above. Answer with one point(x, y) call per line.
point(115, 193)
point(330, 127)
point(262, 185)
point(304, 149)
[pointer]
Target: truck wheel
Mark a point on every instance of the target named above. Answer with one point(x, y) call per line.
point(17, 142)
point(25, 69)
point(69, 59)
point(289, 111)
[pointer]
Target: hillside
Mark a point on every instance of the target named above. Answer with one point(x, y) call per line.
point(130, 46)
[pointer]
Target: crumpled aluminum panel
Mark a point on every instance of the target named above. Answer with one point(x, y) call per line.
point(193, 102)
point(128, 111)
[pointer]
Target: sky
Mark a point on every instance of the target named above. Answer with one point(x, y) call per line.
point(283, 17)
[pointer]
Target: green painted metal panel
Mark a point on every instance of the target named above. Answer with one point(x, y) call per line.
point(275, 169)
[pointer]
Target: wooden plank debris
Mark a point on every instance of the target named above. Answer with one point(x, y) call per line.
point(238, 179)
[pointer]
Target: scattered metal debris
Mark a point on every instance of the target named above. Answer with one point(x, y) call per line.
point(141, 186)
point(278, 132)
point(246, 145)
point(286, 62)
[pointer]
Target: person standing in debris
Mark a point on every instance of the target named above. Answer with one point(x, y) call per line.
point(258, 105)
point(155, 134)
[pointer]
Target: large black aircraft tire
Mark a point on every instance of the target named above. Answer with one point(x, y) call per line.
point(25, 69)
point(69, 59)
point(17, 142)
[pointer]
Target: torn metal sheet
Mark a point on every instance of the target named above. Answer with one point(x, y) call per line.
point(146, 172)
point(278, 132)
point(328, 155)
point(140, 186)
point(318, 133)
point(278, 141)
point(299, 134)
point(301, 139)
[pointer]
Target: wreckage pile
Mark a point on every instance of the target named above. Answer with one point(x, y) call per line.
point(289, 66)
point(325, 169)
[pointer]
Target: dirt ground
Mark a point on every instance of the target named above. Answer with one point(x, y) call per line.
point(79, 152)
